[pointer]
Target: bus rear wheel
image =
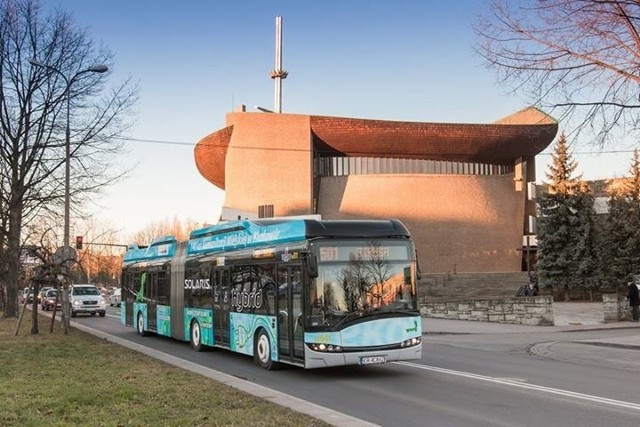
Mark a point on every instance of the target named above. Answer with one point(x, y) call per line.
point(262, 351)
point(140, 325)
point(196, 336)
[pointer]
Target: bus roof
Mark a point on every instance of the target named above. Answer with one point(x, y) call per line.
point(242, 234)
point(160, 247)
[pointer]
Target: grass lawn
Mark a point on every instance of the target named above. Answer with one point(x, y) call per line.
point(50, 379)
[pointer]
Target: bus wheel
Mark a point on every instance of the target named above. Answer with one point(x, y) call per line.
point(262, 351)
point(196, 336)
point(140, 325)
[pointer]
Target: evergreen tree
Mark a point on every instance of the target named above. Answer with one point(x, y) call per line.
point(587, 258)
point(622, 238)
point(561, 170)
point(567, 249)
point(555, 227)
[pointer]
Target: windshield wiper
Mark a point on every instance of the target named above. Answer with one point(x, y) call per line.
point(353, 315)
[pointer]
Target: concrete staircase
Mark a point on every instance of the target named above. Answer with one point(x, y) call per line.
point(461, 286)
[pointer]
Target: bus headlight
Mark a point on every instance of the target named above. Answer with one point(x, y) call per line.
point(411, 342)
point(325, 348)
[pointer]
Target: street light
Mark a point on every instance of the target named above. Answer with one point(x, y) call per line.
point(67, 201)
point(66, 252)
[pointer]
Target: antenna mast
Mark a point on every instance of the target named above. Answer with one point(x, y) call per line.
point(277, 74)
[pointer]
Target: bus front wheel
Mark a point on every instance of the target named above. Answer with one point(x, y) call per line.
point(196, 336)
point(262, 351)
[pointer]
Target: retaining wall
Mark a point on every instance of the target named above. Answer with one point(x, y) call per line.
point(616, 308)
point(522, 311)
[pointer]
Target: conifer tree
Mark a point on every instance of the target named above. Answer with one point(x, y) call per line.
point(562, 168)
point(588, 266)
point(567, 253)
point(622, 238)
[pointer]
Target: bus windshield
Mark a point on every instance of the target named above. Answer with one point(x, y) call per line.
point(356, 280)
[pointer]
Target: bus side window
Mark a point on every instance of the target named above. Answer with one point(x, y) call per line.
point(164, 288)
point(267, 286)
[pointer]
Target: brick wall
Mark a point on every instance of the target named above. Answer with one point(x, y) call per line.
point(460, 223)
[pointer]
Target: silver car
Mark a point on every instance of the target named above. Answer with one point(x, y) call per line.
point(116, 297)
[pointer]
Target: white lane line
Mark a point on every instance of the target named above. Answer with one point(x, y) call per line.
point(519, 384)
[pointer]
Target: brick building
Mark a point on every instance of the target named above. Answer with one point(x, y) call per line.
point(461, 189)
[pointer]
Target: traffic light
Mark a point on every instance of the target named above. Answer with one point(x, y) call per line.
point(78, 242)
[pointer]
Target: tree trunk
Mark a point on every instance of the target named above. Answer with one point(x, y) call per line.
point(34, 310)
point(13, 254)
point(24, 308)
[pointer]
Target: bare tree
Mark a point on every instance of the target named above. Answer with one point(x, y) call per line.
point(174, 227)
point(100, 260)
point(34, 116)
point(577, 59)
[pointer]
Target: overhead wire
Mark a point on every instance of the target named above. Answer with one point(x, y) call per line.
point(192, 144)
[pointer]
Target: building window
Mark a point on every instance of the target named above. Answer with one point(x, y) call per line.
point(343, 166)
point(265, 211)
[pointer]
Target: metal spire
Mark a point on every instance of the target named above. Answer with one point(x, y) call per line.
point(278, 73)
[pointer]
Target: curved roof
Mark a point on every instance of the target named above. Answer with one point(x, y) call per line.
point(523, 134)
point(210, 154)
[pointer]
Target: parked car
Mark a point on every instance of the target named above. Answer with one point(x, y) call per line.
point(27, 294)
point(86, 299)
point(50, 300)
point(116, 297)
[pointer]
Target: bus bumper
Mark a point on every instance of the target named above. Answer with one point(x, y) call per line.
point(316, 359)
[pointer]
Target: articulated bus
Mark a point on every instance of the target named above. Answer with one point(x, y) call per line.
point(305, 292)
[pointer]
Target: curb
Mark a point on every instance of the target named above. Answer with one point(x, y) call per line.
point(609, 344)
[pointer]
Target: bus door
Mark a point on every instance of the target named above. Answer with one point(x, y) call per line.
point(290, 312)
point(151, 298)
point(221, 305)
point(128, 295)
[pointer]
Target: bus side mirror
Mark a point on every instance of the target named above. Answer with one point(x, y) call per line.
point(312, 266)
point(407, 275)
point(418, 271)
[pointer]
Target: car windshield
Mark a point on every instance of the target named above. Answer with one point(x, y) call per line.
point(51, 294)
point(85, 290)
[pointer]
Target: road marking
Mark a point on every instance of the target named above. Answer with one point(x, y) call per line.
point(520, 384)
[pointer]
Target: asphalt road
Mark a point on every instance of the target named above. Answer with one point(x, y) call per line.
point(538, 379)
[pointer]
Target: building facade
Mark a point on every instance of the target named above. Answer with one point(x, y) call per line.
point(461, 189)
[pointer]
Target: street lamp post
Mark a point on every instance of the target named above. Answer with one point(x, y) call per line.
point(67, 250)
point(67, 174)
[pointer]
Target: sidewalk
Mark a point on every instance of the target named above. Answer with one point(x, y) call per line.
point(568, 317)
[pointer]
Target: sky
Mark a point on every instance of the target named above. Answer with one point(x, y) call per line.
point(197, 60)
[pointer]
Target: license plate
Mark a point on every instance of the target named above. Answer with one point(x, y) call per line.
point(372, 360)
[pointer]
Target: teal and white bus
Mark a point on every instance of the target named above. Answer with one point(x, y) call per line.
point(305, 292)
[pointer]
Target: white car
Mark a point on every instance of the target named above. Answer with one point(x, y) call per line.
point(27, 294)
point(115, 298)
point(86, 299)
